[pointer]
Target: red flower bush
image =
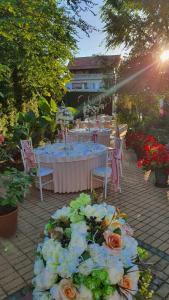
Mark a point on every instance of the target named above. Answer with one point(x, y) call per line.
point(156, 156)
point(140, 143)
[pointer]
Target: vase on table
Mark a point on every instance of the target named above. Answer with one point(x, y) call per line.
point(161, 177)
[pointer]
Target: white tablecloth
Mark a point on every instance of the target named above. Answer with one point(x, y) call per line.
point(72, 168)
point(103, 135)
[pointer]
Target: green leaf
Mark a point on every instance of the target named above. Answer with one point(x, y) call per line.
point(53, 105)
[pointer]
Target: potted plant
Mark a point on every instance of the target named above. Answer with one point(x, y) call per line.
point(14, 185)
point(156, 158)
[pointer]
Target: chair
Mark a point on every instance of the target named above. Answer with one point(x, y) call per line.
point(27, 154)
point(42, 172)
point(103, 174)
point(32, 160)
point(112, 170)
point(119, 153)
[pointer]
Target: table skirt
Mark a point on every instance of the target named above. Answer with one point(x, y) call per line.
point(74, 176)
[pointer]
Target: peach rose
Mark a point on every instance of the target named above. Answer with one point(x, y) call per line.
point(126, 283)
point(113, 240)
point(67, 290)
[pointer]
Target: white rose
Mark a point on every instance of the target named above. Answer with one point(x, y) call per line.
point(44, 280)
point(37, 295)
point(61, 213)
point(38, 266)
point(85, 293)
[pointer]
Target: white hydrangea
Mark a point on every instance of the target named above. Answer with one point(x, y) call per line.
point(51, 264)
point(86, 267)
point(54, 292)
point(51, 249)
point(38, 266)
point(37, 295)
point(100, 255)
point(61, 213)
point(116, 271)
point(44, 280)
point(78, 242)
point(68, 262)
point(129, 251)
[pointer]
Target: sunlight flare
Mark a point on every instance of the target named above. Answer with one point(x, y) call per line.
point(164, 55)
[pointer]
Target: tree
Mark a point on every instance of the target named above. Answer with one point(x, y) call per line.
point(77, 8)
point(140, 25)
point(36, 42)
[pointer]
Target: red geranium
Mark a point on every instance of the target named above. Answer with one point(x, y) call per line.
point(156, 156)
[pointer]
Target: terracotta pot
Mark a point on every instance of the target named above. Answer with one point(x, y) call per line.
point(161, 178)
point(8, 224)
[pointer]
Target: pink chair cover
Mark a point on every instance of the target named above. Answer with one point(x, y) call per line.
point(94, 137)
point(116, 158)
point(28, 155)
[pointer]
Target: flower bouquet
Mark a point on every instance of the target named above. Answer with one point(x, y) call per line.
point(88, 253)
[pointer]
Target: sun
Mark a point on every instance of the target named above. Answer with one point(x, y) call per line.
point(164, 55)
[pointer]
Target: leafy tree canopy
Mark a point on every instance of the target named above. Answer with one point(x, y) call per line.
point(140, 25)
point(77, 8)
point(36, 42)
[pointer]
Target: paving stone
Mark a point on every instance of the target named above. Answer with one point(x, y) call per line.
point(164, 290)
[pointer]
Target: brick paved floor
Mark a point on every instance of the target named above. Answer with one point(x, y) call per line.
point(146, 206)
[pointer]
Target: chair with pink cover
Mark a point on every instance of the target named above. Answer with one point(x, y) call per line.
point(31, 161)
point(111, 172)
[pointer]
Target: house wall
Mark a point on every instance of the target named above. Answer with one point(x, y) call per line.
point(94, 82)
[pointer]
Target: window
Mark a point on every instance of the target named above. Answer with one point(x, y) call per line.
point(77, 86)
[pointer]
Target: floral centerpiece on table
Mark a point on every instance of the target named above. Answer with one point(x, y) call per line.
point(63, 118)
point(88, 253)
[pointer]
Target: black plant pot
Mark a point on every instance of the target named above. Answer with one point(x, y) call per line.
point(161, 178)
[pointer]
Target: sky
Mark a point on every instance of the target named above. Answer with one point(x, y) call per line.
point(95, 44)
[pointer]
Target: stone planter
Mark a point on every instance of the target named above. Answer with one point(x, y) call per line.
point(8, 223)
point(161, 178)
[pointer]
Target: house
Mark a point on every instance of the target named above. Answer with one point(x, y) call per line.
point(93, 73)
point(91, 77)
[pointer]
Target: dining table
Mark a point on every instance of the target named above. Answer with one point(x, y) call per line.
point(101, 135)
point(72, 164)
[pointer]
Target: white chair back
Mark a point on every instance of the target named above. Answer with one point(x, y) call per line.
point(27, 154)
